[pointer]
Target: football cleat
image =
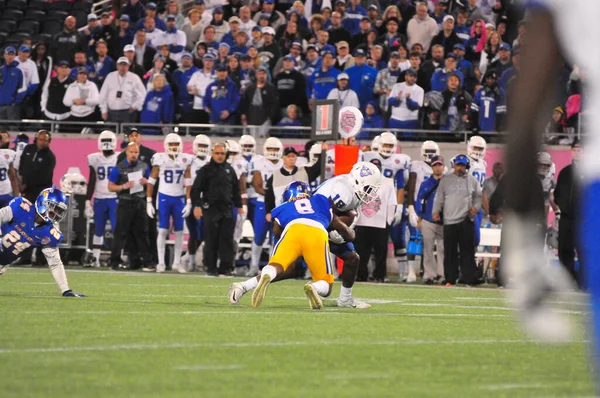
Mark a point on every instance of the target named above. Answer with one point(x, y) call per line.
point(179, 268)
point(314, 300)
point(261, 290)
point(70, 293)
point(236, 292)
point(412, 277)
point(352, 303)
point(160, 268)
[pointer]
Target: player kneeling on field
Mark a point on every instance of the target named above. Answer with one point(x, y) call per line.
point(24, 227)
point(301, 224)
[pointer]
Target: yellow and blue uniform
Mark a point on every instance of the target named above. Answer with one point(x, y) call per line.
point(305, 223)
point(21, 232)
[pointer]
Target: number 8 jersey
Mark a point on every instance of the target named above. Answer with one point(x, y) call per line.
point(172, 172)
point(102, 166)
point(315, 211)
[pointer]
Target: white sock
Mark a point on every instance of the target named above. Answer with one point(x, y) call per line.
point(345, 293)
point(178, 247)
point(255, 259)
point(250, 284)
point(402, 266)
point(411, 267)
point(269, 270)
point(161, 244)
point(192, 259)
point(97, 242)
point(322, 288)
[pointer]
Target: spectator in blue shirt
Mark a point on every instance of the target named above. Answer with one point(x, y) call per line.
point(323, 79)
point(134, 9)
point(126, 34)
point(462, 30)
point(432, 231)
point(489, 105)
point(465, 67)
point(151, 13)
point(362, 78)
point(373, 120)
point(440, 77)
point(159, 106)
point(12, 86)
point(103, 64)
point(222, 98)
point(181, 78)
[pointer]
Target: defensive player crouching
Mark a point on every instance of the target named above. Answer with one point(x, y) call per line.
point(25, 226)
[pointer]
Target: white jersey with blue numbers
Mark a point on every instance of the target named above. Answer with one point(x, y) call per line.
point(196, 165)
point(172, 172)
point(477, 170)
point(7, 159)
point(240, 165)
point(249, 187)
point(339, 190)
point(265, 168)
point(102, 166)
point(423, 171)
point(391, 167)
point(18, 152)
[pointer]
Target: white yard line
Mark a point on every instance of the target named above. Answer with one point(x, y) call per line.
point(199, 368)
point(214, 345)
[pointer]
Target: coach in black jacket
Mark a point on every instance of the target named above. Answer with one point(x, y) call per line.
point(215, 192)
point(36, 167)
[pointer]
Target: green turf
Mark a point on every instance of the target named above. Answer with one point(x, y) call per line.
point(142, 335)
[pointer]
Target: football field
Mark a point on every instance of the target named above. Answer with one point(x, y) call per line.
point(148, 335)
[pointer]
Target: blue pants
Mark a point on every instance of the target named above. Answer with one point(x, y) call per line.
point(477, 221)
point(589, 236)
point(341, 250)
point(260, 224)
point(104, 209)
point(404, 124)
point(170, 207)
point(5, 199)
point(195, 227)
point(251, 210)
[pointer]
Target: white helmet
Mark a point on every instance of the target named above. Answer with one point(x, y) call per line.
point(476, 147)
point(273, 149)
point(366, 178)
point(73, 183)
point(387, 138)
point(375, 144)
point(172, 139)
point(248, 144)
point(107, 141)
point(233, 148)
point(314, 153)
point(201, 145)
point(429, 149)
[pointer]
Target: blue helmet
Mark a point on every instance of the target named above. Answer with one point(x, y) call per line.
point(51, 205)
point(295, 190)
point(462, 159)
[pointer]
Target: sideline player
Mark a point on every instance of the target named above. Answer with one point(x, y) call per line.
point(172, 167)
point(26, 225)
point(105, 202)
point(392, 166)
point(301, 223)
point(240, 165)
point(420, 170)
point(262, 169)
point(553, 25)
point(201, 148)
point(248, 146)
point(347, 192)
point(476, 153)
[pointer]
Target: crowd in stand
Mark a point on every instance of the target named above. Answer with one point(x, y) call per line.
point(441, 65)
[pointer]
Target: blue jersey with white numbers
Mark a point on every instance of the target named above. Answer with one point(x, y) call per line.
point(21, 232)
point(489, 106)
point(317, 209)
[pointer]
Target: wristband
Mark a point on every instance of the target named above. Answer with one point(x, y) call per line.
point(244, 196)
point(152, 181)
point(187, 182)
point(149, 199)
point(189, 201)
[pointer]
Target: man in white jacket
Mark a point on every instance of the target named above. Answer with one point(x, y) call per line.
point(405, 100)
point(82, 97)
point(421, 28)
point(345, 95)
point(197, 86)
point(122, 95)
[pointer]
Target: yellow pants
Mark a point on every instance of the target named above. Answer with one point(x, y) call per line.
point(309, 242)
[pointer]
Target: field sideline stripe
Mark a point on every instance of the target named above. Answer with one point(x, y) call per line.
point(262, 344)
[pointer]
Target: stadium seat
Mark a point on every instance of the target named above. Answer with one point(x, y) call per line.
point(8, 26)
point(81, 17)
point(40, 5)
point(35, 15)
point(31, 27)
point(52, 27)
point(3, 37)
point(18, 37)
point(57, 15)
point(13, 15)
point(83, 6)
point(60, 6)
point(42, 37)
point(16, 5)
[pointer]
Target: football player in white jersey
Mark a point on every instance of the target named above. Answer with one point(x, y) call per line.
point(201, 149)
point(105, 202)
point(172, 168)
point(476, 153)
point(375, 143)
point(240, 165)
point(419, 171)
point(347, 192)
point(20, 143)
point(9, 186)
point(547, 173)
point(554, 33)
point(393, 166)
point(262, 168)
point(248, 145)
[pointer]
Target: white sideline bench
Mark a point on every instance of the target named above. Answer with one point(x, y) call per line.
point(490, 237)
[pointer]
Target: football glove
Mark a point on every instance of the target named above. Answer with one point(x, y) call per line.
point(89, 210)
point(70, 293)
point(412, 216)
point(187, 209)
point(335, 237)
point(150, 209)
point(398, 215)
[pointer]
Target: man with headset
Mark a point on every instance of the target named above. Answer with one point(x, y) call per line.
point(36, 166)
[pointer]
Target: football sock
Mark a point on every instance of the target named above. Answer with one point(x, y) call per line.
point(250, 284)
point(255, 259)
point(322, 288)
point(269, 270)
point(345, 293)
point(411, 267)
point(178, 247)
point(161, 243)
point(97, 242)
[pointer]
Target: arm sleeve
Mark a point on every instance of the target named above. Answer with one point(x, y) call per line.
point(314, 171)
point(400, 179)
point(235, 103)
point(6, 215)
point(269, 196)
point(412, 105)
point(114, 175)
point(44, 100)
point(69, 97)
point(56, 267)
point(22, 89)
point(104, 96)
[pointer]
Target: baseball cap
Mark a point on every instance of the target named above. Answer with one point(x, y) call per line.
point(395, 54)
point(158, 56)
point(21, 138)
point(490, 25)
point(312, 47)
point(365, 18)
point(171, 17)
point(60, 63)
point(328, 49)
point(234, 19)
point(451, 55)
point(24, 48)
point(245, 57)
point(123, 60)
point(267, 30)
point(129, 47)
point(83, 69)
point(544, 158)
point(289, 150)
point(151, 6)
point(505, 47)
point(411, 71)
point(218, 10)
point(221, 67)
point(264, 15)
point(437, 160)
point(459, 46)
point(9, 50)
point(125, 18)
point(447, 17)
point(105, 14)
point(269, 2)
point(289, 57)
point(208, 57)
point(460, 159)
point(297, 44)
point(256, 28)
point(342, 44)
point(360, 53)
point(343, 76)
point(373, 7)
point(223, 44)
point(262, 68)
point(199, 2)
point(186, 55)
point(92, 17)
